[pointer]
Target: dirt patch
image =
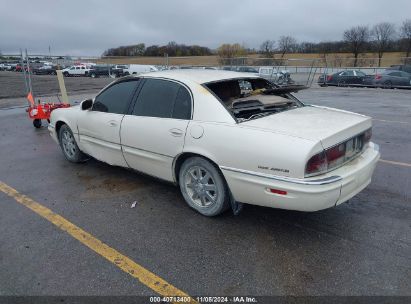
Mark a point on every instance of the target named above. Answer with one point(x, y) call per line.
point(102, 187)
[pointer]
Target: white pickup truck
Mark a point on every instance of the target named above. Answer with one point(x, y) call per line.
point(76, 70)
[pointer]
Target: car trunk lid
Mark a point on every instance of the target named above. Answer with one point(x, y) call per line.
point(330, 126)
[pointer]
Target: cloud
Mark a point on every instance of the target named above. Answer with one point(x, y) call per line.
point(89, 27)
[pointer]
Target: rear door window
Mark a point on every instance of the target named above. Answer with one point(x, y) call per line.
point(163, 99)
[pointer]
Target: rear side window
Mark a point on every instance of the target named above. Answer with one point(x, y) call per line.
point(182, 105)
point(115, 99)
point(164, 99)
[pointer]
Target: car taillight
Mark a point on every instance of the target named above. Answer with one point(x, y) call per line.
point(316, 164)
point(337, 155)
point(378, 76)
point(329, 77)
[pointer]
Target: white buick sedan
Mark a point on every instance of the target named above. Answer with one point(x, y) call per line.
point(225, 138)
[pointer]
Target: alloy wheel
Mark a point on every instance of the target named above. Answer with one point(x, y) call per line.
point(69, 145)
point(200, 187)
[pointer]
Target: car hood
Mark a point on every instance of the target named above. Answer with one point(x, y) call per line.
point(330, 126)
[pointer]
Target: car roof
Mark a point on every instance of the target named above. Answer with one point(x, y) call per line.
point(198, 76)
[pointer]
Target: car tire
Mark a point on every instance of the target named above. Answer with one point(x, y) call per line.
point(66, 74)
point(92, 75)
point(54, 73)
point(69, 146)
point(37, 123)
point(203, 186)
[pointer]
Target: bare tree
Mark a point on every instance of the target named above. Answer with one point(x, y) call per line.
point(227, 52)
point(383, 34)
point(406, 35)
point(286, 44)
point(267, 48)
point(325, 48)
point(356, 38)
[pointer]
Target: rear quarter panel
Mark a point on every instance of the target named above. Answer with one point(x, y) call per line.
point(234, 146)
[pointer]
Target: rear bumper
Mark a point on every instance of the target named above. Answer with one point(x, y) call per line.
point(309, 194)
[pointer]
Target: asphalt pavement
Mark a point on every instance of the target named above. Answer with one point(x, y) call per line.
point(362, 247)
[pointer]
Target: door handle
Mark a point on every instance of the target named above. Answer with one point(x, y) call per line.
point(112, 123)
point(176, 132)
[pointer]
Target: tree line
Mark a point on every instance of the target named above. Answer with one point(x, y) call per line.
point(171, 49)
point(380, 38)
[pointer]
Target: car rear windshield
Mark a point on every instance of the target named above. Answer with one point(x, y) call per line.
point(252, 98)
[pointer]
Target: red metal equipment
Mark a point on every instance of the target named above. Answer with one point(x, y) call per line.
point(43, 111)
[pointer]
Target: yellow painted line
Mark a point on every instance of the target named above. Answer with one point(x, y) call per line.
point(394, 121)
point(395, 163)
point(137, 271)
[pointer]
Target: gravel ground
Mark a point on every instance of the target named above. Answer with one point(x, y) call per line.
point(12, 85)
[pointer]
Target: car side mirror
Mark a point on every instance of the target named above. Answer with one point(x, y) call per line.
point(86, 104)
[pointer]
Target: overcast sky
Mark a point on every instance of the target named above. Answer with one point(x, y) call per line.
point(77, 27)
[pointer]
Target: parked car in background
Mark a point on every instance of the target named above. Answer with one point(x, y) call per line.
point(389, 79)
point(198, 129)
point(4, 66)
point(204, 68)
point(76, 70)
point(229, 68)
point(19, 68)
point(45, 70)
point(13, 66)
point(246, 69)
point(342, 78)
point(136, 69)
point(8, 67)
point(101, 70)
point(401, 67)
point(118, 69)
